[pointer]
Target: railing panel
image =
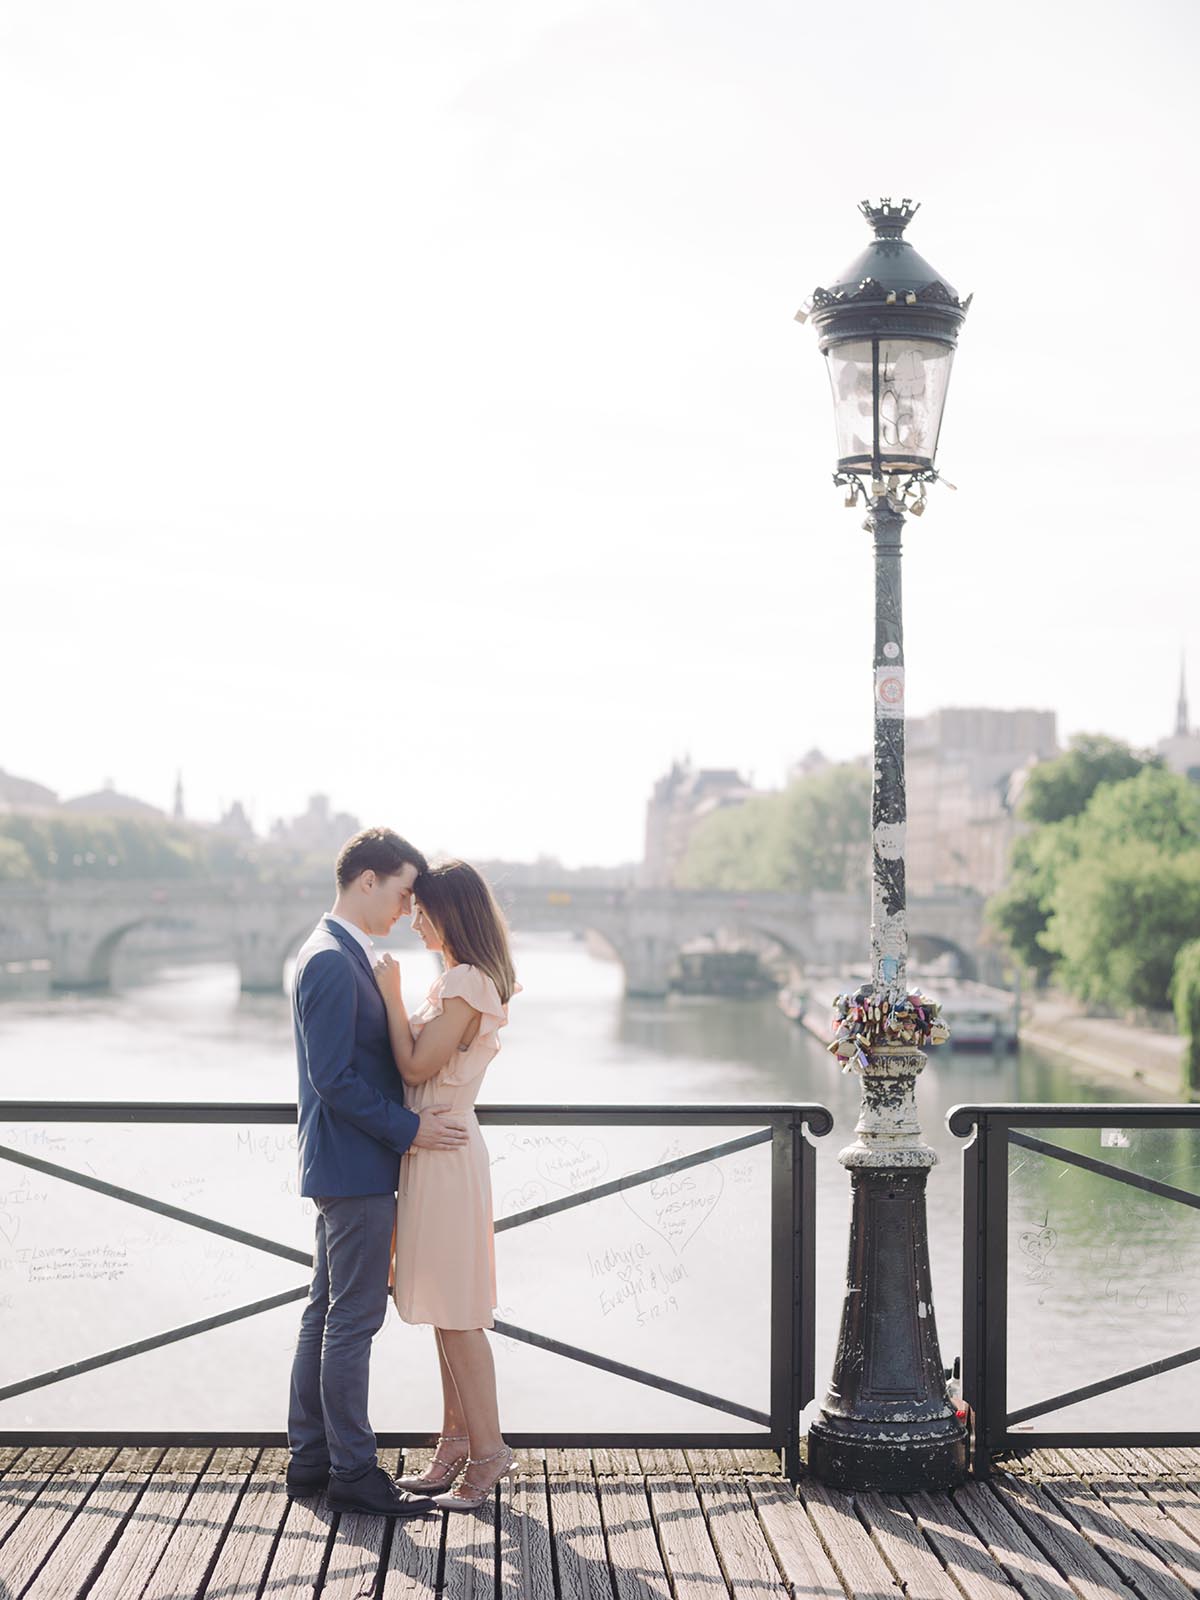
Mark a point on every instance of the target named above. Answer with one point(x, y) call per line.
point(152, 1271)
point(1083, 1269)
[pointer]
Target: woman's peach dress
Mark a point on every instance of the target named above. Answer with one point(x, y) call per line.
point(445, 1266)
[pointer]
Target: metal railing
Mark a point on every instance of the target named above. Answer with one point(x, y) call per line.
point(792, 1260)
point(1003, 1132)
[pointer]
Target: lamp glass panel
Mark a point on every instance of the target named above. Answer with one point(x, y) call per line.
point(850, 378)
point(913, 377)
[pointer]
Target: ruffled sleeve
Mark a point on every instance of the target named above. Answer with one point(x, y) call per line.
point(477, 989)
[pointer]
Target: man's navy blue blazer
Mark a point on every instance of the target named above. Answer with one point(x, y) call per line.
point(353, 1123)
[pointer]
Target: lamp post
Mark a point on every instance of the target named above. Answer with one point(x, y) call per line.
point(888, 329)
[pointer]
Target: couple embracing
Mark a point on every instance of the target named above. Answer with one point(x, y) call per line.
point(393, 1160)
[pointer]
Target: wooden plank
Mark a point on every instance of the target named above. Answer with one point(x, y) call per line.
point(963, 1554)
point(469, 1562)
point(192, 1545)
point(147, 1533)
point(1089, 1574)
point(576, 1463)
point(526, 1565)
point(1180, 1502)
point(34, 1537)
point(683, 1537)
point(356, 1556)
point(766, 1462)
point(90, 1537)
point(411, 1568)
point(1141, 1569)
point(8, 1454)
point(249, 1540)
point(1173, 1546)
point(232, 1458)
point(301, 1555)
point(664, 1463)
point(633, 1551)
point(578, 1533)
point(23, 1483)
point(706, 1463)
point(1047, 1463)
point(855, 1558)
point(1009, 1544)
point(900, 1542)
point(741, 1545)
point(616, 1463)
point(46, 1458)
point(793, 1540)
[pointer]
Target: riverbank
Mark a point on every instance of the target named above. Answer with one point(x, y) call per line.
point(1148, 1063)
point(1151, 1063)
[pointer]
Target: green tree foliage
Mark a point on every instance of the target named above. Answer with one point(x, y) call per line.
point(1021, 909)
point(66, 847)
point(1062, 787)
point(815, 834)
point(1185, 995)
point(1056, 795)
point(1119, 917)
point(15, 865)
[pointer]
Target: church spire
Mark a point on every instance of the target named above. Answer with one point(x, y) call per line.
point(1182, 721)
point(178, 797)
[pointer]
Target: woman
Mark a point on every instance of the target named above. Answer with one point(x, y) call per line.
point(445, 1266)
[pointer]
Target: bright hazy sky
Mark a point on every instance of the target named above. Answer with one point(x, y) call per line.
point(403, 400)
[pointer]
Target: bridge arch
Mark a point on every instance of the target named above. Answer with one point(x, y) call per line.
point(84, 959)
point(925, 948)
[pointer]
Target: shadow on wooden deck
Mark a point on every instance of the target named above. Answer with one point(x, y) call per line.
point(181, 1524)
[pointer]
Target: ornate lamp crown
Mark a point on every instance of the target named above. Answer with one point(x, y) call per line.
point(889, 221)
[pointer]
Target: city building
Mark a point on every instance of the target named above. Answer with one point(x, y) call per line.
point(317, 829)
point(109, 802)
point(1181, 751)
point(965, 770)
point(22, 794)
point(235, 824)
point(679, 802)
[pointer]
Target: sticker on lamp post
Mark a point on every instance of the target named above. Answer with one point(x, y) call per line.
point(889, 691)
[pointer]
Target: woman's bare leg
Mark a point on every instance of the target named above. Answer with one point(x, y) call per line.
point(454, 1423)
point(469, 1355)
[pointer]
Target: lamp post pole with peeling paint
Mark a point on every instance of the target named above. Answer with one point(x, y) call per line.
point(888, 328)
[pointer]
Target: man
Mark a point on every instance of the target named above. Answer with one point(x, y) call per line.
point(353, 1129)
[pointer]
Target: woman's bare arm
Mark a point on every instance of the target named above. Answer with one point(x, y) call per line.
point(417, 1060)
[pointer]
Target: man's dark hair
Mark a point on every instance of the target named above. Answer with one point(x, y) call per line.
point(377, 850)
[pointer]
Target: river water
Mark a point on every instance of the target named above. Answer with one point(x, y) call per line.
point(672, 1280)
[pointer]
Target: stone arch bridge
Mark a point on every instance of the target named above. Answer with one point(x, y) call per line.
point(80, 925)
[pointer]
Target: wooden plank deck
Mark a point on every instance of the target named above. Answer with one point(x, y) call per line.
point(188, 1524)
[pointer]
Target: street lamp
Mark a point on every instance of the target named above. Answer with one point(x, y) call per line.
point(888, 329)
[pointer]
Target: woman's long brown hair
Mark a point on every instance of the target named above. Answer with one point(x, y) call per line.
point(461, 906)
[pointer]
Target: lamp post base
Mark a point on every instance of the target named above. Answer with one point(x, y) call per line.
point(899, 1457)
point(888, 1421)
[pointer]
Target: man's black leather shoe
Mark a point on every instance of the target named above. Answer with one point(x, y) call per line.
point(307, 1480)
point(377, 1494)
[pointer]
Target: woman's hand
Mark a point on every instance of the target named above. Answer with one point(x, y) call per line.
point(387, 976)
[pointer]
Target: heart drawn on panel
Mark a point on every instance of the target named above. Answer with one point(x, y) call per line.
point(573, 1164)
point(677, 1205)
point(10, 1227)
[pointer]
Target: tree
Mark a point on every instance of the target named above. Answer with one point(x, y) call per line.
point(15, 865)
point(1022, 908)
point(1185, 993)
point(1119, 918)
point(1062, 787)
point(813, 835)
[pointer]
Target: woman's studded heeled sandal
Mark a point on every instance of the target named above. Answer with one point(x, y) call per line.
point(469, 1496)
point(443, 1469)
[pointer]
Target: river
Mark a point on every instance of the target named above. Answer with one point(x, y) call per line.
point(76, 1275)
